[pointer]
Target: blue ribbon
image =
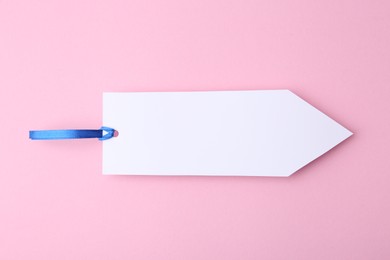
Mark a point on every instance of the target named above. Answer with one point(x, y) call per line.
point(72, 134)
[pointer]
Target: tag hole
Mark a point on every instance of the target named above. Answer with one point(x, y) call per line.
point(116, 133)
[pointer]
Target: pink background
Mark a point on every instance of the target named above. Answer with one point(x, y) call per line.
point(56, 59)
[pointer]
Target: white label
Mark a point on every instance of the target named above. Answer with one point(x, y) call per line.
point(218, 133)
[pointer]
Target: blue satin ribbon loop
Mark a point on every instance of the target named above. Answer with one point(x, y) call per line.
point(109, 133)
point(102, 134)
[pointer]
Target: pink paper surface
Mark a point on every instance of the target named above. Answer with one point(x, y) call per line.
point(58, 57)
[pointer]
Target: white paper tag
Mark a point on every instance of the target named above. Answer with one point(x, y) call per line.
point(219, 133)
